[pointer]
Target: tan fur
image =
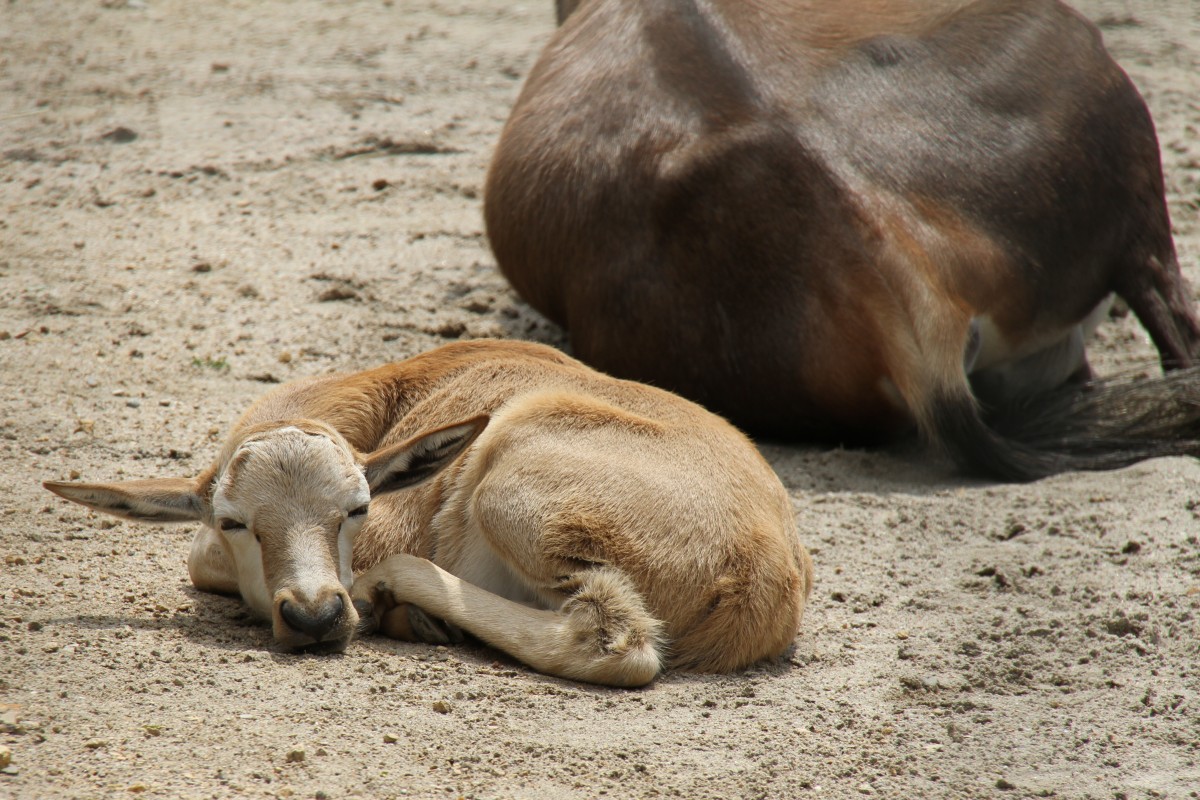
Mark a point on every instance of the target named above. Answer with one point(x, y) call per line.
point(595, 529)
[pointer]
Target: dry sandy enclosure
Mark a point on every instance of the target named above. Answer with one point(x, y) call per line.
point(202, 199)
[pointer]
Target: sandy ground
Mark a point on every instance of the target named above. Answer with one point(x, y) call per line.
point(201, 199)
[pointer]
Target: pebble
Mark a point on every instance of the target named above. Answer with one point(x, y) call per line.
point(133, 402)
point(92, 381)
point(390, 738)
point(5, 756)
point(295, 756)
point(441, 707)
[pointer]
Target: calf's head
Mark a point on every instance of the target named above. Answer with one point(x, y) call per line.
point(283, 504)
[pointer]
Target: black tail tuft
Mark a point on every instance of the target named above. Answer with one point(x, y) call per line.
point(1105, 424)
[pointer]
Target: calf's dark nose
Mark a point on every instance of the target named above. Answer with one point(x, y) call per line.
point(316, 620)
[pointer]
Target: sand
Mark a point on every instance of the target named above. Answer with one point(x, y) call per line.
point(203, 199)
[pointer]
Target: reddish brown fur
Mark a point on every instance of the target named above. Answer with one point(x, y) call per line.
point(811, 216)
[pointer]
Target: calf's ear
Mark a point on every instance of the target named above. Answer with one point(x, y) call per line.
point(420, 458)
point(153, 500)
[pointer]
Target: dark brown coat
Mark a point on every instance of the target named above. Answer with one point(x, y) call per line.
point(838, 220)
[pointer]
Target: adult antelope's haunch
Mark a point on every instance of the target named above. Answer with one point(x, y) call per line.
point(834, 220)
point(593, 528)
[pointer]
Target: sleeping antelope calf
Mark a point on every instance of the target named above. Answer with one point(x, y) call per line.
point(838, 220)
point(593, 528)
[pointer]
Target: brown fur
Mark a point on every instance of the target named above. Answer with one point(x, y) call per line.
point(811, 217)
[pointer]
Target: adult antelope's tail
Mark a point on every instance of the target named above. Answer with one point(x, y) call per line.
point(1104, 424)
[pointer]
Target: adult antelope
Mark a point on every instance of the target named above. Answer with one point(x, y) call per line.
point(836, 220)
point(593, 528)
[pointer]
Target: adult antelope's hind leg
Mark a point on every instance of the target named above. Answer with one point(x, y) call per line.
point(1159, 296)
point(602, 633)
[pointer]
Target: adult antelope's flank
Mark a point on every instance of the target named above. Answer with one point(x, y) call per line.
point(593, 528)
point(837, 220)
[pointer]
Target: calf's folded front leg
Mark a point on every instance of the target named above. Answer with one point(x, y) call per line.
point(602, 634)
point(403, 621)
point(210, 565)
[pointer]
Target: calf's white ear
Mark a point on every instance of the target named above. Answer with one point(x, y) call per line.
point(421, 457)
point(153, 500)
